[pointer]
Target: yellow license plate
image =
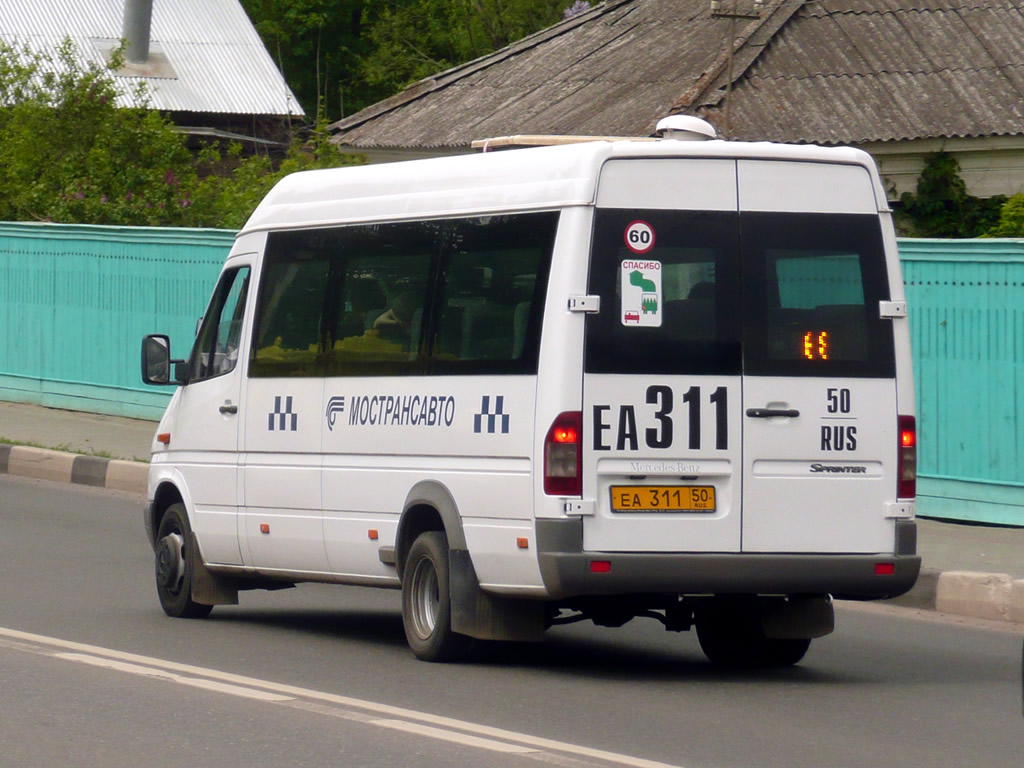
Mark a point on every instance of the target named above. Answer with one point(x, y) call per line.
point(663, 498)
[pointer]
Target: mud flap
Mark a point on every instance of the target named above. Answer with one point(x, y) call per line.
point(489, 617)
point(795, 618)
point(207, 587)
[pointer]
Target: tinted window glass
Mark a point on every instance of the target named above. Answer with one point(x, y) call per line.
point(813, 283)
point(443, 296)
point(378, 298)
point(669, 302)
point(216, 348)
point(287, 339)
point(679, 288)
point(491, 296)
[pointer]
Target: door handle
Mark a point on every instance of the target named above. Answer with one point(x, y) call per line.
point(767, 413)
point(228, 408)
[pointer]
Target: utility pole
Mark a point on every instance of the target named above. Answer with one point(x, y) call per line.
point(732, 14)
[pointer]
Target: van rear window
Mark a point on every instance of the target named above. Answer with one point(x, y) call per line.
point(775, 294)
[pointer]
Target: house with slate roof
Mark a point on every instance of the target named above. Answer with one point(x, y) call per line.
point(202, 62)
point(899, 78)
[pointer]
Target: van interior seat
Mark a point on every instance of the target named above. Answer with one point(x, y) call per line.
point(487, 332)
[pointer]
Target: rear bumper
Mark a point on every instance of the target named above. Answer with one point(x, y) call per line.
point(566, 569)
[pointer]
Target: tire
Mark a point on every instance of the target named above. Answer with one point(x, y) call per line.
point(426, 601)
point(731, 636)
point(174, 566)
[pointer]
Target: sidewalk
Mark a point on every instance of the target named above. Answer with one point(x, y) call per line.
point(973, 570)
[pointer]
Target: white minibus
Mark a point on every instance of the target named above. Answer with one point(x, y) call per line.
point(598, 380)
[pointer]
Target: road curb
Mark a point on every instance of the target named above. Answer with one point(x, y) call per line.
point(966, 593)
point(61, 467)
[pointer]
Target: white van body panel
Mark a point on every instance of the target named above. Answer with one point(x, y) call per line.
point(805, 187)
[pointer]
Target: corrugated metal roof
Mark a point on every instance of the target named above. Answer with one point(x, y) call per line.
point(219, 62)
point(828, 71)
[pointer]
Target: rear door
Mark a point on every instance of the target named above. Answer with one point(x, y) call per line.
point(662, 452)
point(819, 393)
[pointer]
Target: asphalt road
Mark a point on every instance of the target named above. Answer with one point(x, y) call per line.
point(321, 676)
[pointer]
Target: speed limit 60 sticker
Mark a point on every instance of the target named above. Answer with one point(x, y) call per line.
point(639, 236)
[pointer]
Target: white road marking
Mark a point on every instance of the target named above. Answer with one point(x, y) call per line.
point(242, 685)
point(458, 738)
point(196, 682)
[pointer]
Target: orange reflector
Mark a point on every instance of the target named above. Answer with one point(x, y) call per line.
point(885, 569)
point(164, 437)
point(373, 534)
point(600, 566)
point(264, 527)
point(523, 543)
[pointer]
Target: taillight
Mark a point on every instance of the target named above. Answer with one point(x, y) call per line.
point(563, 455)
point(907, 487)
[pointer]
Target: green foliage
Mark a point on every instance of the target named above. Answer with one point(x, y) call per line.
point(1011, 219)
point(417, 38)
point(69, 154)
point(941, 207)
point(317, 45)
point(339, 56)
point(227, 200)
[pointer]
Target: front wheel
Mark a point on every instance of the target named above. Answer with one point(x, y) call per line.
point(174, 566)
point(426, 601)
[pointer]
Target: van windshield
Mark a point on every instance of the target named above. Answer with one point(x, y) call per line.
point(777, 294)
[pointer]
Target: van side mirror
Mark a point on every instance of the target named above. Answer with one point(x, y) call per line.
point(156, 361)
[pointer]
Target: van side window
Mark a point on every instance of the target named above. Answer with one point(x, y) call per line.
point(216, 349)
point(287, 336)
point(491, 297)
point(445, 296)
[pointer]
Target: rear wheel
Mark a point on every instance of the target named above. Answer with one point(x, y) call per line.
point(731, 635)
point(174, 566)
point(426, 601)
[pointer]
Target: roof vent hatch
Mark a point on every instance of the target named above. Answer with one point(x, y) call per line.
point(685, 128)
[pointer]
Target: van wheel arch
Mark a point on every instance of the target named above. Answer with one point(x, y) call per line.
point(428, 507)
point(167, 494)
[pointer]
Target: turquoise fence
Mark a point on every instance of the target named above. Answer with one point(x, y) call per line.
point(76, 300)
point(966, 300)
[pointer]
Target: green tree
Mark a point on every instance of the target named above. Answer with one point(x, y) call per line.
point(69, 154)
point(942, 207)
point(413, 39)
point(317, 45)
point(1011, 219)
point(339, 56)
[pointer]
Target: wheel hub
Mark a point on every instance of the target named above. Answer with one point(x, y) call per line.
point(425, 598)
point(170, 561)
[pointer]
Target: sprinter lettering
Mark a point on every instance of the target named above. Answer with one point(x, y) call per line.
point(627, 423)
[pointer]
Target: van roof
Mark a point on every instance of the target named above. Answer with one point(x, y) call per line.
point(521, 179)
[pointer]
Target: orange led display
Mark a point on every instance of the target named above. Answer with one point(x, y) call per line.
point(816, 345)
